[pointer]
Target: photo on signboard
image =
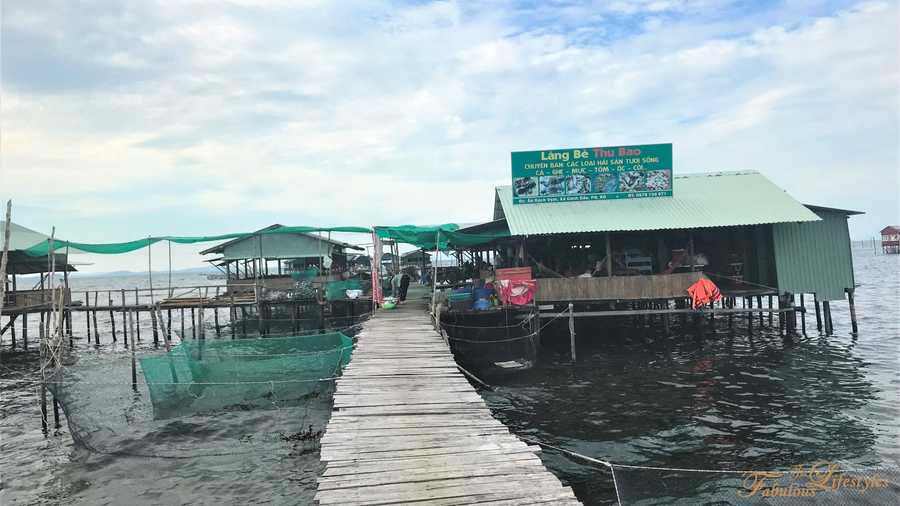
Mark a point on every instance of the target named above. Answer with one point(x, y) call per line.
point(525, 186)
point(658, 180)
point(606, 183)
point(631, 181)
point(552, 185)
point(578, 184)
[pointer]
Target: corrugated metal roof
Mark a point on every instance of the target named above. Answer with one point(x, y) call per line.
point(700, 200)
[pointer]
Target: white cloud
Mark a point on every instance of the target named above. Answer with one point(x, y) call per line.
point(387, 113)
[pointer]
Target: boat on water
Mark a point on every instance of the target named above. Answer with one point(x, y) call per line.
point(493, 340)
point(208, 375)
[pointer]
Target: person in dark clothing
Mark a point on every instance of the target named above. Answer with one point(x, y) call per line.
point(404, 286)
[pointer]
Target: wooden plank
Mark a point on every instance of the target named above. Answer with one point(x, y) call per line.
point(408, 427)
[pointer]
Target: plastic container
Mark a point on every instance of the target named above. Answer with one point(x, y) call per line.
point(482, 305)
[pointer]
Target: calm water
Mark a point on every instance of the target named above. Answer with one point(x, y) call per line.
point(729, 401)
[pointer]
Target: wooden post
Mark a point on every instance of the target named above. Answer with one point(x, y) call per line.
point(124, 316)
point(182, 323)
point(96, 327)
point(168, 324)
point(803, 316)
point(56, 423)
point(24, 326)
point(216, 312)
point(818, 312)
point(112, 316)
point(137, 314)
point(760, 306)
point(826, 309)
point(750, 313)
point(154, 324)
point(854, 328)
point(792, 314)
point(193, 324)
point(691, 249)
point(133, 361)
point(771, 315)
point(87, 314)
point(572, 331)
point(233, 314)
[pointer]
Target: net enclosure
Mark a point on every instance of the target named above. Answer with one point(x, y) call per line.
point(210, 375)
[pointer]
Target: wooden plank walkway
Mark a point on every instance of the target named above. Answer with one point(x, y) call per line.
point(407, 427)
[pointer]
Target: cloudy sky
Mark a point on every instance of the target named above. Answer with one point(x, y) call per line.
point(125, 119)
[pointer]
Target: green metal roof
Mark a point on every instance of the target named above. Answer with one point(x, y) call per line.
point(700, 200)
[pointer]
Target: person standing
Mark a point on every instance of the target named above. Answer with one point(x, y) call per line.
point(404, 286)
point(395, 285)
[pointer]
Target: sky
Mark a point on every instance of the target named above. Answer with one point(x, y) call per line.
point(120, 120)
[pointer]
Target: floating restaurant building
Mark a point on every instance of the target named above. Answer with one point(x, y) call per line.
point(640, 256)
point(274, 259)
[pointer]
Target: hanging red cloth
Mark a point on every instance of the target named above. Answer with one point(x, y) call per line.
point(703, 292)
point(517, 292)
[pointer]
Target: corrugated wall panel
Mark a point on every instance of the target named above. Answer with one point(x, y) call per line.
point(814, 257)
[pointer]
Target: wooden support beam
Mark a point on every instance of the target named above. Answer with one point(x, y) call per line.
point(851, 300)
point(572, 331)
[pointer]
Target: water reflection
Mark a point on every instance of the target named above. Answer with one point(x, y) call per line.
point(728, 400)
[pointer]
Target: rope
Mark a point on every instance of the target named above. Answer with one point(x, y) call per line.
point(772, 288)
point(529, 336)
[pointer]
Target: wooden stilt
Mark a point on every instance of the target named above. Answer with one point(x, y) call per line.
point(792, 314)
point(216, 312)
point(572, 331)
point(759, 304)
point(112, 316)
point(137, 315)
point(94, 318)
point(232, 314)
point(154, 325)
point(168, 335)
point(771, 316)
point(748, 302)
point(25, 327)
point(803, 316)
point(44, 407)
point(193, 323)
point(56, 423)
point(826, 308)
point(125, 324)
point(850, 298)
point(133, 361)
point(182, 323)
point(818, 312)
point(87, 315)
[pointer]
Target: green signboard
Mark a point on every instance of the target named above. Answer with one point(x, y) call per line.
point(564, 175)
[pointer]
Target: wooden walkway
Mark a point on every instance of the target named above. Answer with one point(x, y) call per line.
point(408, 427)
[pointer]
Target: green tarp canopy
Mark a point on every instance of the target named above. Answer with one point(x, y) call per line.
point(448, 235)
point(112, 248)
